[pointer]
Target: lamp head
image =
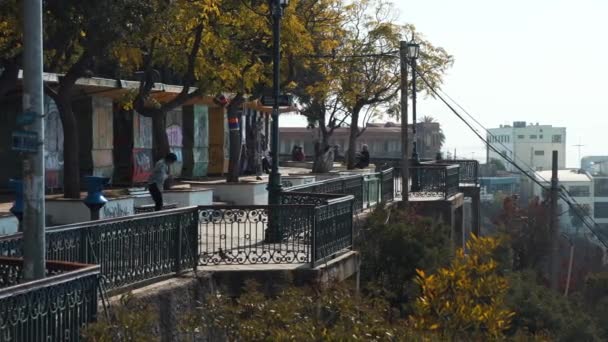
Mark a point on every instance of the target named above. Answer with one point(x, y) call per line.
point(413, 50)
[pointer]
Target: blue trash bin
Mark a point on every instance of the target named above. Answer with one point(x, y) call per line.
point(95, 199)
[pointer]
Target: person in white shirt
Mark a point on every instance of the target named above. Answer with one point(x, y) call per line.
point(157, 179)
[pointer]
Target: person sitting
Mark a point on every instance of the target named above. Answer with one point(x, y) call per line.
point(294, 152)
point(363, 158)
point(299, 155)
point(159, 175)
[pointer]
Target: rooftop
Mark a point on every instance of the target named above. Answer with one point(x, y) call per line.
point(567, 175)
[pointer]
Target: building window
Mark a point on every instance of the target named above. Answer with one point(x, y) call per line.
point(540, 136)
point(533, 136)
point(601, 187)
point(539, 153)
point(520, 137)
point(557, 138)
point(579, 190)
point(601, 210)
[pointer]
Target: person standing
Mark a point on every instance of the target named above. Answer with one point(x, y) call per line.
point(156, 182)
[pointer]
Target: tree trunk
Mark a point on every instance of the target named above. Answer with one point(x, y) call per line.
point(71, 158)
point(324, 158)
point(352, 139)
point(160, 140)
point(235, 111)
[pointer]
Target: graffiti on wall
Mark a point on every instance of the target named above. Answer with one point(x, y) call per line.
point(116, 209)
point(142, 131)
point(53, 145)
point(174, 134)
point(142, 164)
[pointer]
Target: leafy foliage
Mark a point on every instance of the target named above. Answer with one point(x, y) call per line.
point(297, 314)
point(527, 231)
point(538, 310)
point(131, 320)
point(468, 297)
point(393, 245)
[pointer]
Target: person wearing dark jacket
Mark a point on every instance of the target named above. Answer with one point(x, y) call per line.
point(363, 158)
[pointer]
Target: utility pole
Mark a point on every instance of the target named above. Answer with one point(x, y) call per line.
point(554, 224)
point(579, 145)
point(33, 164)
point(404, 145)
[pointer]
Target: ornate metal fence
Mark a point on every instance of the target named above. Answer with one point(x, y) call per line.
point(349, 185)
point(51, 309)
point(433, 181)
point(371, 189)
point(469, 170)
point(333, 229)
point(387, 184)
point(129, 250)
point(239, 234)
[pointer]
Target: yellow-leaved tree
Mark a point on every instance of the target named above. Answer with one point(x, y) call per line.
point(468, 297)
point(210, 47)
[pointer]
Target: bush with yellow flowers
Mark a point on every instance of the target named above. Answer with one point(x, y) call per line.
point(467, 298)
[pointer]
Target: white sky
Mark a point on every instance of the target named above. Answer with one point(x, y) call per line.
point(540, 61)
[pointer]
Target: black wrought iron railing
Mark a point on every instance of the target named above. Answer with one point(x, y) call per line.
point(433, 181)
point(387, 184)
point(128, 249)
point(51, 309)
point(468, 172)
point(349, 185)
point(308, 224)
point(333, 229)
point(239, 234)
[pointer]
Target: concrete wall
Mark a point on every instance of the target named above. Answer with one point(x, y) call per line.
point(253, 193)
point(8, 224)
point(66, 211)
point(187, 198)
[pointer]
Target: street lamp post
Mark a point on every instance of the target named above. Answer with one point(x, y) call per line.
point(413, 51)
point(274, 182)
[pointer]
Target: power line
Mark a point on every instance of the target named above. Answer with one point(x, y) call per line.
point(569, 201)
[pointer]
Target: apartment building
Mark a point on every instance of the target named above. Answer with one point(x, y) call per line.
point(528, 144)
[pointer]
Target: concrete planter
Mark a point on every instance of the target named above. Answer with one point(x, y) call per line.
point(188, 197)
point(244, 193)
point(65, 211)
point(8, 224)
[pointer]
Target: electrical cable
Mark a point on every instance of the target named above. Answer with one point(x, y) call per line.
point(568, 201)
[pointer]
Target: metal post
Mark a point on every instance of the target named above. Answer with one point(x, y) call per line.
point(404, 144)
point(414, 91)
point(415, 158)
point(33, 165)
point(274, 180)
point(554, 228)
point(274, 184)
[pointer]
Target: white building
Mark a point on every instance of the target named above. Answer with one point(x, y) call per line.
point(528, 144)
point(581, 186)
